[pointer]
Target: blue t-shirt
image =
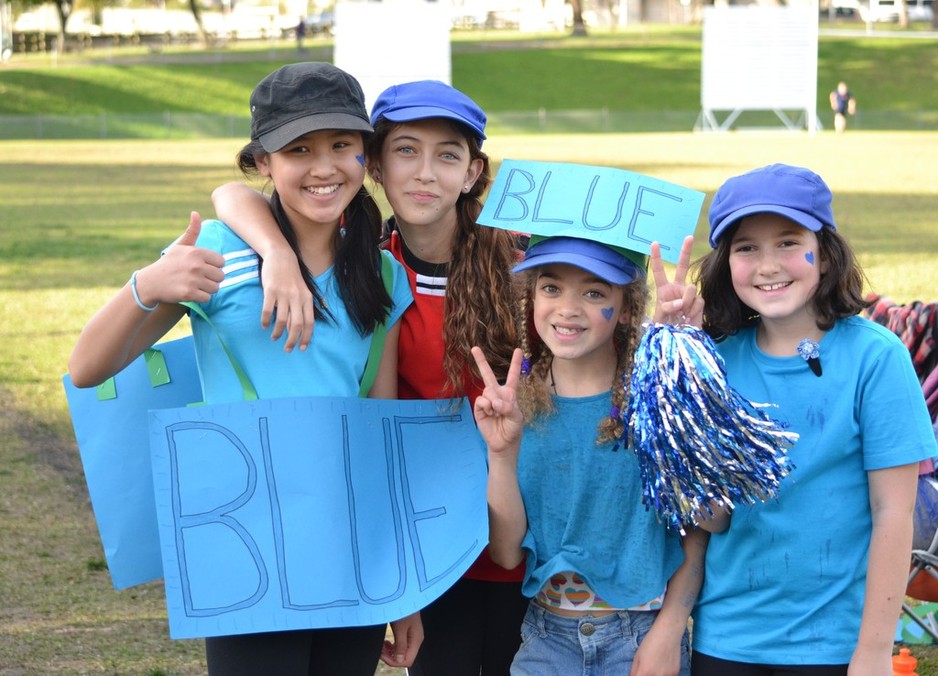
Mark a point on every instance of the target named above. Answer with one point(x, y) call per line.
point(332, 365)
point(585, 512)
point(785, 583)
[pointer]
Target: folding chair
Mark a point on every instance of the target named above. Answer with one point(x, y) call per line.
point(923, 584)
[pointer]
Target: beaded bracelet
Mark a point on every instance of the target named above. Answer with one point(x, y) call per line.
point(133, 289)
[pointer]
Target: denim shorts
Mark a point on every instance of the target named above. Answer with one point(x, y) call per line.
point(586, 646)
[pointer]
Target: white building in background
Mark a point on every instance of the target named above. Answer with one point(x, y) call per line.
point(253, 19)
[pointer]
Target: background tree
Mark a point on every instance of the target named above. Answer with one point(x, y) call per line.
point(579, 28)
point(197, 15)
point(63, 9)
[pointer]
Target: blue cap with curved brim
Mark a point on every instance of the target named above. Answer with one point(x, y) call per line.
point(793, 192)
point(425, 99)
point(610, 263)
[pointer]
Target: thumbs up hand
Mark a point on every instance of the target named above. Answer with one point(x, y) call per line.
point(185, 273)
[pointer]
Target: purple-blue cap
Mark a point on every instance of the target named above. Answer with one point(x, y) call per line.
point(611, 263)
point(794, 192)
point(428, 98)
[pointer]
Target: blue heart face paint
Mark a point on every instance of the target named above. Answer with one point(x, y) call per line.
point(607, 312)
point(361, 159)
point(809, 257)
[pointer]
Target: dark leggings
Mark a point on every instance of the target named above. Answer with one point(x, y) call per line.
point(473, 628)
point(349, 651)
point(704, 665)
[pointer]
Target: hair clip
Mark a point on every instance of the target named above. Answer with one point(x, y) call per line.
point(808, 350)
point(525, 367)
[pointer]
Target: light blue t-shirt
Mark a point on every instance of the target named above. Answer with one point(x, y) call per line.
point(332, 365)
point(585, 512)
point(785, 583)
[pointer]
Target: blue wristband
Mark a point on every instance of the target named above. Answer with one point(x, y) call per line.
point(133, 289)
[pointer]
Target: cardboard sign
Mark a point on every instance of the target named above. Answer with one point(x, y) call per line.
point(278, 514)
point(608, 205)
point(110, 424)
point(314, 512)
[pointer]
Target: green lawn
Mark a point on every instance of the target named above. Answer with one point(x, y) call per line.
point(78, 216)
point(635, 69)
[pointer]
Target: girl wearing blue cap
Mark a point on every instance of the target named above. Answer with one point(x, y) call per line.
point(427, 155)
point(308, 122)
point(611, 589)
point(812, 582)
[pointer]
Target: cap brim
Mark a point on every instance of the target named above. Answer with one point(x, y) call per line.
point(423, 112)
point(801, 218)
point(602, 270)
point(277, 138)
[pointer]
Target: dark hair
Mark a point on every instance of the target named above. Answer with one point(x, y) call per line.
point(839, 293)
point(478, 309)
point(357, 259)
point(534, 389)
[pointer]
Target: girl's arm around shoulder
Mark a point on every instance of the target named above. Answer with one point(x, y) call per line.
point(500, 423)
point(660, 651)
point(892, 500)
point(145, 308)
point(288, 302)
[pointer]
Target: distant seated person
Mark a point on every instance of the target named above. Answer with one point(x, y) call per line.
point(843, 104)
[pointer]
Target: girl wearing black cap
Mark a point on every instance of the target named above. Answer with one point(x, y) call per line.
point(307, 126)
point(427, 155)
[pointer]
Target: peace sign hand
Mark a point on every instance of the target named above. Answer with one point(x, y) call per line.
point(497, 413)
point(676, 302)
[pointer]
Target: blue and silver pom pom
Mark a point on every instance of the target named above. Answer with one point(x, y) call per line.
point(699, 442)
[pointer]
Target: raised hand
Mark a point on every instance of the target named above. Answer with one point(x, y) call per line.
point(186, 273)
point(497, 413)
point(676, 302)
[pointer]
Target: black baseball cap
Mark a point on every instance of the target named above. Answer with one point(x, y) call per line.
point(300, 98)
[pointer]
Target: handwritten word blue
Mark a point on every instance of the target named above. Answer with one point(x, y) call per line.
point(604, 204)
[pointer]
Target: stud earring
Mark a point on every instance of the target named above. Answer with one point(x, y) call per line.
point(465, 188)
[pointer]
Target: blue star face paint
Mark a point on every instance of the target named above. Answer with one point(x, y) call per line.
point(607, 312)
point(361, 159)
point(809, 257)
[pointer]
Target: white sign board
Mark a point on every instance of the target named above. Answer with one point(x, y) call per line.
point(394, 41)
point(759, 58)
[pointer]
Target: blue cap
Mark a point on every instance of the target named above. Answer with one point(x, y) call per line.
point(611, 263)
point(793, 192)
point(428, 98)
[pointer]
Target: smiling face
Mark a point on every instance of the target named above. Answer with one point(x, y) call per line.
point(776, 268)
point(576, 313)
point(317, 175)
point(424, 167)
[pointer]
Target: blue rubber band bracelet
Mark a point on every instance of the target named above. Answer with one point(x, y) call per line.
point(133, 289)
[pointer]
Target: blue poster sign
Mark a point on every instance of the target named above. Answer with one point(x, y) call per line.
point(608, 205)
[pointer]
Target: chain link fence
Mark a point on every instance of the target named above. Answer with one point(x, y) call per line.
point(191, 126)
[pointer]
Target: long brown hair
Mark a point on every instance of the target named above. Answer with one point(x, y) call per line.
point(479, 308)
point(534, 390)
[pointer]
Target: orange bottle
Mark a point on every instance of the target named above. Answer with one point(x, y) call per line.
point(904, 664)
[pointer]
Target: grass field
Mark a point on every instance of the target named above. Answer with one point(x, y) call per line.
point(77, 217)
point(642, 68)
